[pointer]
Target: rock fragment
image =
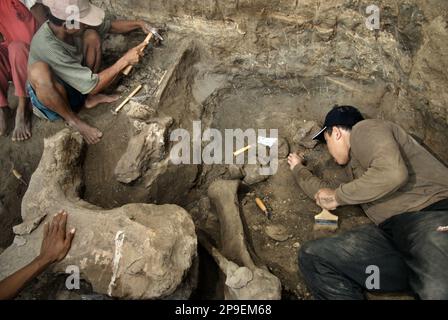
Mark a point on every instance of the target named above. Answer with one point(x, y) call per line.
point(277, 232)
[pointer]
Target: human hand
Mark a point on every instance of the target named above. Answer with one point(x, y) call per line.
point(57, 241)
point(132, 57)
point(295, 159)
point(326, 199)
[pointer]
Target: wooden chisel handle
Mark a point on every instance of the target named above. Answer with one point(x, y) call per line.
point(238, 152)
point(115, 112)
point(261, 205)
point(128, 69)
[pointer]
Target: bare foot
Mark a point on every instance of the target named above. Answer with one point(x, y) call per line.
point(3, 116)
point(91, 135)
point(94, 100)
point(22, 130)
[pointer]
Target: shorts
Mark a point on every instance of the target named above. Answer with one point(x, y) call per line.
point(75, 98)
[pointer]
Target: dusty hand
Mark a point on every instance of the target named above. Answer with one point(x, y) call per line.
point(326, 199)
point(295, 159)
point(132, 57)
point(57, 241)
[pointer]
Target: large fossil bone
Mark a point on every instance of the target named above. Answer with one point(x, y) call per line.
point(245, 280)
point(144, 150)
point(138, 251)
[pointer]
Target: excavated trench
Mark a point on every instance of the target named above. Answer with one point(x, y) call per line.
point(255, 66)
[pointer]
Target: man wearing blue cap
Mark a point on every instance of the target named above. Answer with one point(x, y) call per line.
point(402, 188)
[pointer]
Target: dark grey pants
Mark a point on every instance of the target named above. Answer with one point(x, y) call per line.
point(408, 251)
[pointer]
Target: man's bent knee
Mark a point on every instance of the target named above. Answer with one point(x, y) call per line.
point(42, 81)
point(432, 280)
point(317, 247)
point(39, 73)
point(92, 50)
point(307, 248)
point(92, 39)
point(308, 254)
point(434, 290)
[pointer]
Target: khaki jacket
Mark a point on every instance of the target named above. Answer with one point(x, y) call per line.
point(389, 172)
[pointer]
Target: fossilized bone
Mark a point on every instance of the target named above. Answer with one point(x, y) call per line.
point(245, 280)
point(138, 251)
point(144, 150)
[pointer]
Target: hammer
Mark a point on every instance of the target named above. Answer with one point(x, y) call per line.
point(128, 70)
point(148, 38)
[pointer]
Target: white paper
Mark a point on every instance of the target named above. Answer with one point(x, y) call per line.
point(268, 142)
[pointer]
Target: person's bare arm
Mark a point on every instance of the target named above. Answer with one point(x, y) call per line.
point(126, 26)
point(55, 246)
point(107, 76)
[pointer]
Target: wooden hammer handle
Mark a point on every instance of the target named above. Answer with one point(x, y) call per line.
point(128, 69)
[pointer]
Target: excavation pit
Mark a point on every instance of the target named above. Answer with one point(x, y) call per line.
point(245, 68)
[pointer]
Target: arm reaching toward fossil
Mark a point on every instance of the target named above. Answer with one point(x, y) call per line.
point(309, 183)
point(125, 26)
point(55, 246)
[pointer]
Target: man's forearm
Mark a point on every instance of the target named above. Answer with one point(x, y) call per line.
point(108, 76)
point(124, 26)
point(377, 182)
point(12, 285)
point(309, 183)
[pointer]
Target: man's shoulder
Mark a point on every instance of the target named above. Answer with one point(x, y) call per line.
point(372, 132)
point(366, 127)
point(45, 43)
point(41, 37)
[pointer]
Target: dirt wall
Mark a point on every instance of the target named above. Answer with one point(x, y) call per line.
point(327, 43)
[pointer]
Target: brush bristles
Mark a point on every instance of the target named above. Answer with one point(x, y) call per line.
point(326, 227)
point(326, 221)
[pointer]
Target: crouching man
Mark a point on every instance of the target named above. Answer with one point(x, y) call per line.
point(65, 59)
point(402, 188)
point(17, 27)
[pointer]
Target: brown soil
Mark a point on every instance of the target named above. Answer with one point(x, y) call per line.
point(242, 73)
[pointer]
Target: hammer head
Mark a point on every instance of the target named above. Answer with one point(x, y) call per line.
point(156, 34)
